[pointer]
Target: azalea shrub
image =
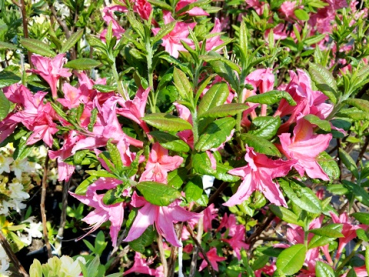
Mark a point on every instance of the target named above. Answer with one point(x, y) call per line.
point(203, 138)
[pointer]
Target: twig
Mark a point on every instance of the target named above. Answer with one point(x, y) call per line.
point(362, 152)
point(62, 24)
point(162, 255)
point(4, 243)
point(260, 229)
point(198, 244)
point(193, 267)
point(42, 206)
point(25, 26)
point(173, 251)
point(271, 239)
point(213, 197)
point(116, 260)
point(63, 216)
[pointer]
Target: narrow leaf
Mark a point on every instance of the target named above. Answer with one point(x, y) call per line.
point(324, 81)
point(271, 97)
point(182, 84)
point(330, 231)
point(167, 122)
point(322, 124)
point(214, 97)
point(82, 64)
point(72, 40)
point(225, 110)
point(37, 47)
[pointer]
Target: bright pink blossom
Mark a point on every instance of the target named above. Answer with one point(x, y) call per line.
point(259, 175)
point(102, 213)
point(109, 18)
point(213, 258)
point(143, 8)
point(215, 41)
point(51, 69)
point(162, 216)
point(304, 148)
point(172, 41)
point(210, 213)
point(237, 241)
point(141, 265)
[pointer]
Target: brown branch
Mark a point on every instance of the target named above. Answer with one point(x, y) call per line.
point(162, 255)
point(272, 239)
point(213, 197)
point(25, 27)
point(62, 24)
point(13, 258)
point(260, 229)
point(195, 255)
point(198, 244)
point(63, 216)
point(362, 152)
point(116, 260)
point(42, 206)
point(174, 251)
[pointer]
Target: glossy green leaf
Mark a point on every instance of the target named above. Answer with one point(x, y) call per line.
point(361, 234)
point(301, 195)
point(4, 105)
point(157, 193)
point(338, 189)
point(218, 57)
point(164, 30)
point(214, 97)
point(7, 46)
point(105, 88)
point(115, 156)
point(324, 81)
point(167, 122)
point(351, 273)
point(286, 215)
point(182, 84)
point(82, 64)
point(360, 193)
point(72, 40)
point(222, 173)
point(362, 217)
point(146, 239)
point(170, 142)
point(349, 162)
point(323, 270)
point(322, 124)
point(301, 14)
point(225, 110)
point(291, 259)
point(361, 104)
point(160, 4)
point(267, 126)
point(367, 259)
point(82, 188)
point(22, 150)
point(271, 97)
point(317, 240)
point(202, 164)
point(135, 24)
point(8, 78)
point(329, 165)
point(193, 190)
point(112, 197)
point(261, 145)
point(226, 72)
point(330, 231)
point(215, 134)
point(37, 47)
point(177, 177)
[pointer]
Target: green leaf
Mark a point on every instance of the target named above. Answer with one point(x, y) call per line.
point(105, 88)
point(146, 239)
point(38, 47)
point(351, 273)
point(291, 259)
point(8, 78)
point(314, 39)
point(243, 41)
point(338, 189)
point(213, 56)
point(215, 134)
point(301, 195)
point(322, 124)
point(261, 145)
point(225, 110)
point(177, 177)
point(222, 173)
point(214, 97)
point(112, 197)
point(330, 231)
point(22, 150)
point(348, 162)
point(286, 215)
point(193, 191)
point(268, 126)
point(4, 105)
point(359, 192)
point(115, 156)
point(182, 84)
point(82, 188)
point(226, 72)
point(167, 122)
point(317, 240)
point(202, 164)
point(367, 260)
point(157, 193)
point(135, 24)
point(362, 217)
point(82, 64)
point(324, 81)
point(7, 46)
point(301, 14)
point(323, 270)
point(329, 165)
point(166, 29)
point(160, 4)
point(170, 142)
point(361, 234)
point(361, 104)
point(271, 97)
point(72, 40)
point(198, 3)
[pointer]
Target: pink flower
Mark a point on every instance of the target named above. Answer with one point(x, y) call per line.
point(143, 8)
point(196, 11)
point(73, 97)
point(163, 217)
point(237, 242)
point(172, 41)
point(141, 265)
point(230, 223)
point(210, 213)
point(262, 79)
point(259, 175)
point(51, 69)
point(287, 9)
point(159, 164)
point(108, 17)
point(257, 5)
point(213, 42)
point(102, 213)
point(213, 258)
point(304, 148)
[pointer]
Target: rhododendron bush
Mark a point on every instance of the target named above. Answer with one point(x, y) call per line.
point(184, 138)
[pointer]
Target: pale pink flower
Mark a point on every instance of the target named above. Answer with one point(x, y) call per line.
point(50, 69)
point(287, 9)
point(162, 216)
point(108, 17)
point(102, 213)
point(259, 175)
point(213, 42)
point(172, 41)
point(304, 148)
point(213, 258)
point(159, 164)
point(73, 97)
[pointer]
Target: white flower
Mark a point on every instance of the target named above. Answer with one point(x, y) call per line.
point(69, 267)
point(5, 164)
point(19, 166)
point(4, 264)
point(34, 230)
point(16, 191)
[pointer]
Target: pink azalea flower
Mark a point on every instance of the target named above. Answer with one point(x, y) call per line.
point(213, 258)
point(73, 97)
point(51, 69)
point(210, 213)
point(267, 270)
point(304, 148)
point(141, 265)
point(102, 213)
point(196, 11)
point(259, 175)
point(135, 109)
point(172, 41)
point(237, 241)
point(108, 17)
point(230, 223)
point(257, 5)
point(287, 9)
point(143, 8)
point(213, 42)
point(159, 164)
point(163, 217)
